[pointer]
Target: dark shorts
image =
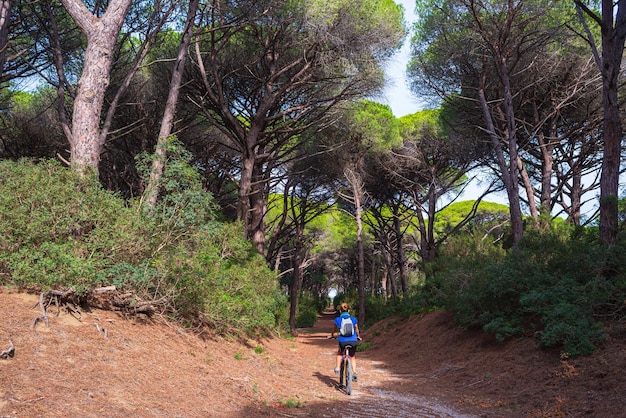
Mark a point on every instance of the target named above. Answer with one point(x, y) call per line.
point(351, 350)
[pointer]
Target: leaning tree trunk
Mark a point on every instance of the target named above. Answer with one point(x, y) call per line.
point(509, 172)
point(101, 33)
point(158, 163)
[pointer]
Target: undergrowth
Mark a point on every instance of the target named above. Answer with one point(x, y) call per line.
point(557, 285)
point(61, 230)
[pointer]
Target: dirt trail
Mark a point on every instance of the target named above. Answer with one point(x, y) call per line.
point(416, 367)
point(376, 394)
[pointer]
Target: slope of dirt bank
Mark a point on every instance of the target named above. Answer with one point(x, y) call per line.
point(424, 368)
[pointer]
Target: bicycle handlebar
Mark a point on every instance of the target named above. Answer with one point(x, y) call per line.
point(334, 337)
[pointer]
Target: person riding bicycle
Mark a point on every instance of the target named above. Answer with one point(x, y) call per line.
point(352, 340)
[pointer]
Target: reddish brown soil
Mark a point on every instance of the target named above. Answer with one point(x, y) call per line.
point(421, 367)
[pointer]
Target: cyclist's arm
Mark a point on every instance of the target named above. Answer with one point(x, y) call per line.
point(358, 333)
point(335, 329)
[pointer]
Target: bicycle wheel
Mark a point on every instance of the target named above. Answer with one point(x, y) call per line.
point(342, 373)
point(348, 375)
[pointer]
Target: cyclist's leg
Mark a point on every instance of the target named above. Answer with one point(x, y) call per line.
point(338, 358)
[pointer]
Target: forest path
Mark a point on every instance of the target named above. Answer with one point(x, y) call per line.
point(378, 393)
point(420, 366)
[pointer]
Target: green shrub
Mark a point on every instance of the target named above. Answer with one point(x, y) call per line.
point(226, 282)
point(308, 309)
point(553, 284)
point(61, 230)
point(306, 318)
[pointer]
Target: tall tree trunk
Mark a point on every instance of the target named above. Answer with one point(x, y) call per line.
point(612, 138)
point(509, 171)
point(355, 181)
point(152, 190)
point(360, 255)
point(243, 193)
point(575, 195)
point(258, 198)
point(397, 226)
point(613, 29)
point(431, 249)
point(5, 22)
point(101, 33)
point(423, 244)
point(613, 37)
point(296, 286)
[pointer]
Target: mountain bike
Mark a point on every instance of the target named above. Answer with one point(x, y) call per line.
point(345, 370)
point(346, 375)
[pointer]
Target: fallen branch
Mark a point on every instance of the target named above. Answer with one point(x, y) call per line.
point(107, 297)
point(9, 352)
point(102, 330)
point(44, 315)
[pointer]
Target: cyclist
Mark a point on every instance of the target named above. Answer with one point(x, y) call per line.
point(353, 340)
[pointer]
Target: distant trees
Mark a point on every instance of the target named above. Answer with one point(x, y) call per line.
point(366, 128)
point(518, 73)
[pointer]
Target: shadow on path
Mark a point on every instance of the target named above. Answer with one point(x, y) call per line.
point(376, 394)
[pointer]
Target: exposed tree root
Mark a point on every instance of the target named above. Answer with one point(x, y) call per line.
point(107, 298)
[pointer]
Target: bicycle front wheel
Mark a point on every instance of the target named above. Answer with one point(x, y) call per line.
point(342, 373)
point(349, 375)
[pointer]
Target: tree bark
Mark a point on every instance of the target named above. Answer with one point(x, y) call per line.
point(613, 29)
point(360, 255)
point(5, 22)
point(296, 286)
point(612, 49)
point(509, 172)
point(401, 255)
point(101, 33)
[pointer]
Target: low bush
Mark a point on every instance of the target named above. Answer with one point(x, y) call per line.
point(309, 307)
point(555, 285)
point(61, 230)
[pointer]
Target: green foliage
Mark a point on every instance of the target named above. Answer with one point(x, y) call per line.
point(225, 282)
point(488, 215)
point(306, 318)
point(62, 230)
point(377, 309)
point(553, 284)
point(375, 125)
point(308, 309)
point(183, 205)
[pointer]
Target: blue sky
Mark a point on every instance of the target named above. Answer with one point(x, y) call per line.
point(397, 94)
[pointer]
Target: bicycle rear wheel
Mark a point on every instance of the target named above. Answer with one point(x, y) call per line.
point(348, 368)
